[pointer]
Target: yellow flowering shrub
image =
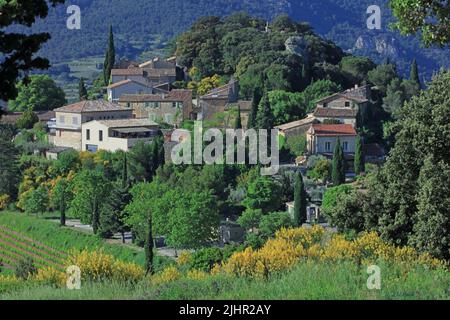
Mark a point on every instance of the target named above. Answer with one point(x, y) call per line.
point(4, 201)
point(195, 274)
point(184, 258)
point(302, 236)
point(98, 266)
point(9, 280)
point(169, 274)
point(51, 276)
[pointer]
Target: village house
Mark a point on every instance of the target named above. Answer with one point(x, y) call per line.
point(348, 107)
point(113, 135)
point(129, 86)
point(172, 107)
point(297, 128)
point(69, 120)
point(322, 139)
point(223, 100)
point(151, 73)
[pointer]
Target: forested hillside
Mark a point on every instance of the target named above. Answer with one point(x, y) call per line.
point(145, 25)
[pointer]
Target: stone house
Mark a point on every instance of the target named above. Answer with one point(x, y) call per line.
point(69, 120)
point(297, 128)
point(322, 139)
point(172, 107)
point(217, 100)
point(129, 86)
point(113, 135)
point(348, 107)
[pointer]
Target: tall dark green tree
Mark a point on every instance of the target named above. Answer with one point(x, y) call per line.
point(238, 122)
point(338, 166)
point(264, 118)
point(299, 201)
point(414, 73)
point(18, 50)
point(82, 91)
point(9, 168)
point(149, 247)
point(254, 111)
point(110, 58)
point(359, 156)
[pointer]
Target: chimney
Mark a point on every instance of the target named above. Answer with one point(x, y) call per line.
point(356, 86)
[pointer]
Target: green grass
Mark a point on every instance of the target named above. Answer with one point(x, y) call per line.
point(69, 239)
point(307, 281)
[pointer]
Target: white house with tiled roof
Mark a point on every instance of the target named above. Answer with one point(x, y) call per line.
point(322, 139)
point(69, 120)
point(113, 135)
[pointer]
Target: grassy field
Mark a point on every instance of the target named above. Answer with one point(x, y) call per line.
point(307, 281)
point(46, 242)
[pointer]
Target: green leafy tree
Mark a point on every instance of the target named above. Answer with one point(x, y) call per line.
point(427, 17)
point(141, 161)
point(263, 193)
point(91, 190)
point(382, 76)
point(36, 201)
point(110, 57)
point(264, 117)
point(250, 219)
point(299, 201)
point(39, 94)
point(273, 222)
point(359, 156)
point(338, 165)
point(82, 91)
point(27, 120)
point(286, 106)
point(318, 90)
point(18, 50)
point(357, 67)
point(61, 197)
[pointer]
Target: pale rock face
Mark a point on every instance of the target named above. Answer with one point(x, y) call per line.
point(298, 45)
point(385, 47)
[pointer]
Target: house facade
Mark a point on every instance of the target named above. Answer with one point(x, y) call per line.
point(348, 107)
point(114, 135)
point(297, 128)
point(116, 90)
point(322, 139)
point(69, 120)
point(217, 100)
point(171, 108)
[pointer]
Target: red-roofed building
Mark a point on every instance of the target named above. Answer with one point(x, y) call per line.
point(322, 139)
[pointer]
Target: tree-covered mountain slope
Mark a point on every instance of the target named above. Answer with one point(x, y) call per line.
point(143, 25)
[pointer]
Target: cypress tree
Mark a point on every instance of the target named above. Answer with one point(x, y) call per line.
point(414, 73)
point(264, 118)
point(82, 91)
point(253, 113)
point(95, 216)
point(62, 203)
point(110, 58)
point(149, 247)
point(125, 172)
point(359, 157)
point(338, 173)
point(238, 123)
point(299, 201)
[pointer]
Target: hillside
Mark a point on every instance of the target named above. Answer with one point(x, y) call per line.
point(146, 25)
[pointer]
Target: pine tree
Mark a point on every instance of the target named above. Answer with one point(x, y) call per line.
point(110, 58)
point(82, 91)
point(338, 172)
point(299, 201)
point(359, 157)
point(255, 104)
point(149, 247)
point(414, 73)
point(238, 122)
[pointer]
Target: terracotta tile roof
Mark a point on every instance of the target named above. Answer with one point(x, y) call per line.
point(335, 113)
point(219, 92)
point(333, 130)
point(11, 118)
point(127, 72)
point(172, 96)
point(92, 106)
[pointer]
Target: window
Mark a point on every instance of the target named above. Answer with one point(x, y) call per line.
point(91, 148)
point(61, 119)
point(88, 134)
point(347, 104)
point(345, 146)
point(75, 120)
point(174, 104)
point(100, 135)
point(328, 146)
